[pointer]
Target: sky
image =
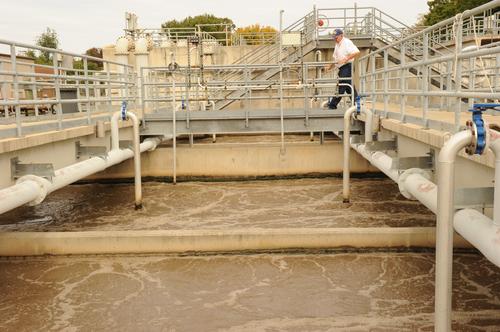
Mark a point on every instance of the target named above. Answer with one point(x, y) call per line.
point(83, 24)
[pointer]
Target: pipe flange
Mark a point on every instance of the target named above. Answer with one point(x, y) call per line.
point(405, 175)
point(42, 183)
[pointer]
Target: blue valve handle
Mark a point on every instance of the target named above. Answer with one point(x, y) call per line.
point(477, 118)
point(358, 102)
point(124, 110)
point(358, 105)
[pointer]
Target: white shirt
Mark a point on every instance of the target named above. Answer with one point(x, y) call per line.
point(343, 49)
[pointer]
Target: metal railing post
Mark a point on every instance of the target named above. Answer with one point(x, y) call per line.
point(109, 96)
point(449, 82)
point(143, 95)
point(15, 82)
point(305, 75)
point(281, 84)
point(57, 91)
point(374, 82)
point(386, 83)
point(34, 91)
point(87, 89)
point(402, 82)
point(458, 71)
point(425, 81)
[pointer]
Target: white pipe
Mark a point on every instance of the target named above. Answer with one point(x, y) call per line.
point(347, 148)
point(319, 55)
point(480, 231)
point(444, 227)
point(115, 145)
point(137, 161)
point(33, 189)
point(211, 102)
point(368, 125)
point(495, 147)
point(18, 195)
point(414, 183)
point(378, 159)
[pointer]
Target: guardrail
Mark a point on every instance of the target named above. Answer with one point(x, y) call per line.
point(193, 89)
point(64, 88)
point(439, 80)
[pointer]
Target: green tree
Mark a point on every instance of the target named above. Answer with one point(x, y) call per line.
point(256, 34)
point(440, 10)
point(218, 27)
point(91, 64)
point(96, 53)
point(48, 39)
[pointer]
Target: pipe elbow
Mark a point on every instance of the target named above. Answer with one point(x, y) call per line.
point(456, 143)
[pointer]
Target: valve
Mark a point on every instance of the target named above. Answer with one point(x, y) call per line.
point(479, 129)
point(123, 110)
point(358, 103)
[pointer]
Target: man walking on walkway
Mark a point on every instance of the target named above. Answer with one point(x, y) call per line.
point(343, 55)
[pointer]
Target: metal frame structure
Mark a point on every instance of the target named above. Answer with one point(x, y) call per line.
point(441, 80)
point(93, 92)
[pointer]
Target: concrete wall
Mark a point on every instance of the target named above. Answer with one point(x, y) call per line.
point(240, 160)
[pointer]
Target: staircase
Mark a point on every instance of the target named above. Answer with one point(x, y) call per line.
point(382, 29)
point(270, 54)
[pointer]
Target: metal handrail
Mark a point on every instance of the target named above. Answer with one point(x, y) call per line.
point(30, 92)
point(464, 76)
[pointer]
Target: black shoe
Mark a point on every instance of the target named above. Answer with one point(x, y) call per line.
point(332, 107)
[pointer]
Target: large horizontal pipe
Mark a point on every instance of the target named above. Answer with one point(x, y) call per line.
point(378, 159)
point(178, 241)
point(480, 231)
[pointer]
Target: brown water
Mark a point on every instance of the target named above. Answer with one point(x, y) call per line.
point(214, 205)
point(301, 291)
point(279, 292)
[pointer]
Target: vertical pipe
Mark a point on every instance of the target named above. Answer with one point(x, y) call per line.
point(347, 145)
point(444, 228)
point(174, 129)
point(495, 147)
point(137, 161)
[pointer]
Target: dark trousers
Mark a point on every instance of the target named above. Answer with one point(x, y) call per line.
point(344, 71)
